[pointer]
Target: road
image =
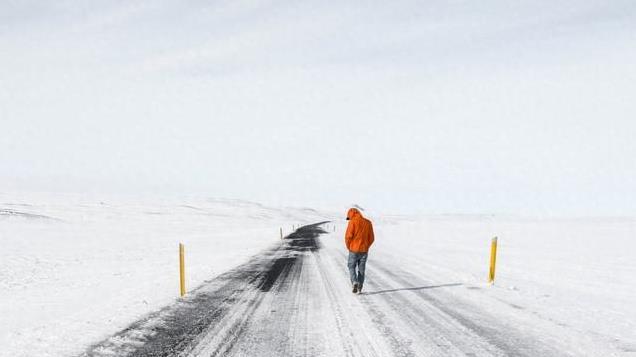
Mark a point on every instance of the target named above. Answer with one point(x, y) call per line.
point(295, 300)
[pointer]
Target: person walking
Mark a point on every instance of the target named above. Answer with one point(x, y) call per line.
point(358, 239)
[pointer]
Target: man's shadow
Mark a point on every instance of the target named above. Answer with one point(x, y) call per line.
point(412, 289)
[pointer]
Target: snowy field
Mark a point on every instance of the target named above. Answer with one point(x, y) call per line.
point(570, 278)
point(74, 269)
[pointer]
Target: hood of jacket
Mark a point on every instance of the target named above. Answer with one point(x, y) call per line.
point(352, 213)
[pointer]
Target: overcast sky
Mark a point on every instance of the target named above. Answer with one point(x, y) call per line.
point(518, 107)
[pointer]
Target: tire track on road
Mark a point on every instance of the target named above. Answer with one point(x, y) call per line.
point(400, 346)
point(463, 323)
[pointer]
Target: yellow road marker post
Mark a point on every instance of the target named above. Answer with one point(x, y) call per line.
point(493, 261)
point(182, 269)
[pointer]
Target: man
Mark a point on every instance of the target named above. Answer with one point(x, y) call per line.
point(358, 239)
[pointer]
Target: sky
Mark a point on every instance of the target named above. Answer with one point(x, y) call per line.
point(523, 108)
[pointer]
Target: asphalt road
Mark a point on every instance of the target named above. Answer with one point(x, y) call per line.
point(295, 300)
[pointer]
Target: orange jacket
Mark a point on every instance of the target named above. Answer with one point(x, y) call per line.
point(359, 235)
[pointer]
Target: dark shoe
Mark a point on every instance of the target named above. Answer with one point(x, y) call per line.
point(355, 288)
point(360, 289)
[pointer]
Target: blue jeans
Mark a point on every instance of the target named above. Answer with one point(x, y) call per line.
point(356, 263)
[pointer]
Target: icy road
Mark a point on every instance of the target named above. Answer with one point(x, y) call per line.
point(294, 300)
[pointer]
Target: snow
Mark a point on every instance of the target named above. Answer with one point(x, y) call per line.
point(76, 269)
point(145, 108)
point(572, 273)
